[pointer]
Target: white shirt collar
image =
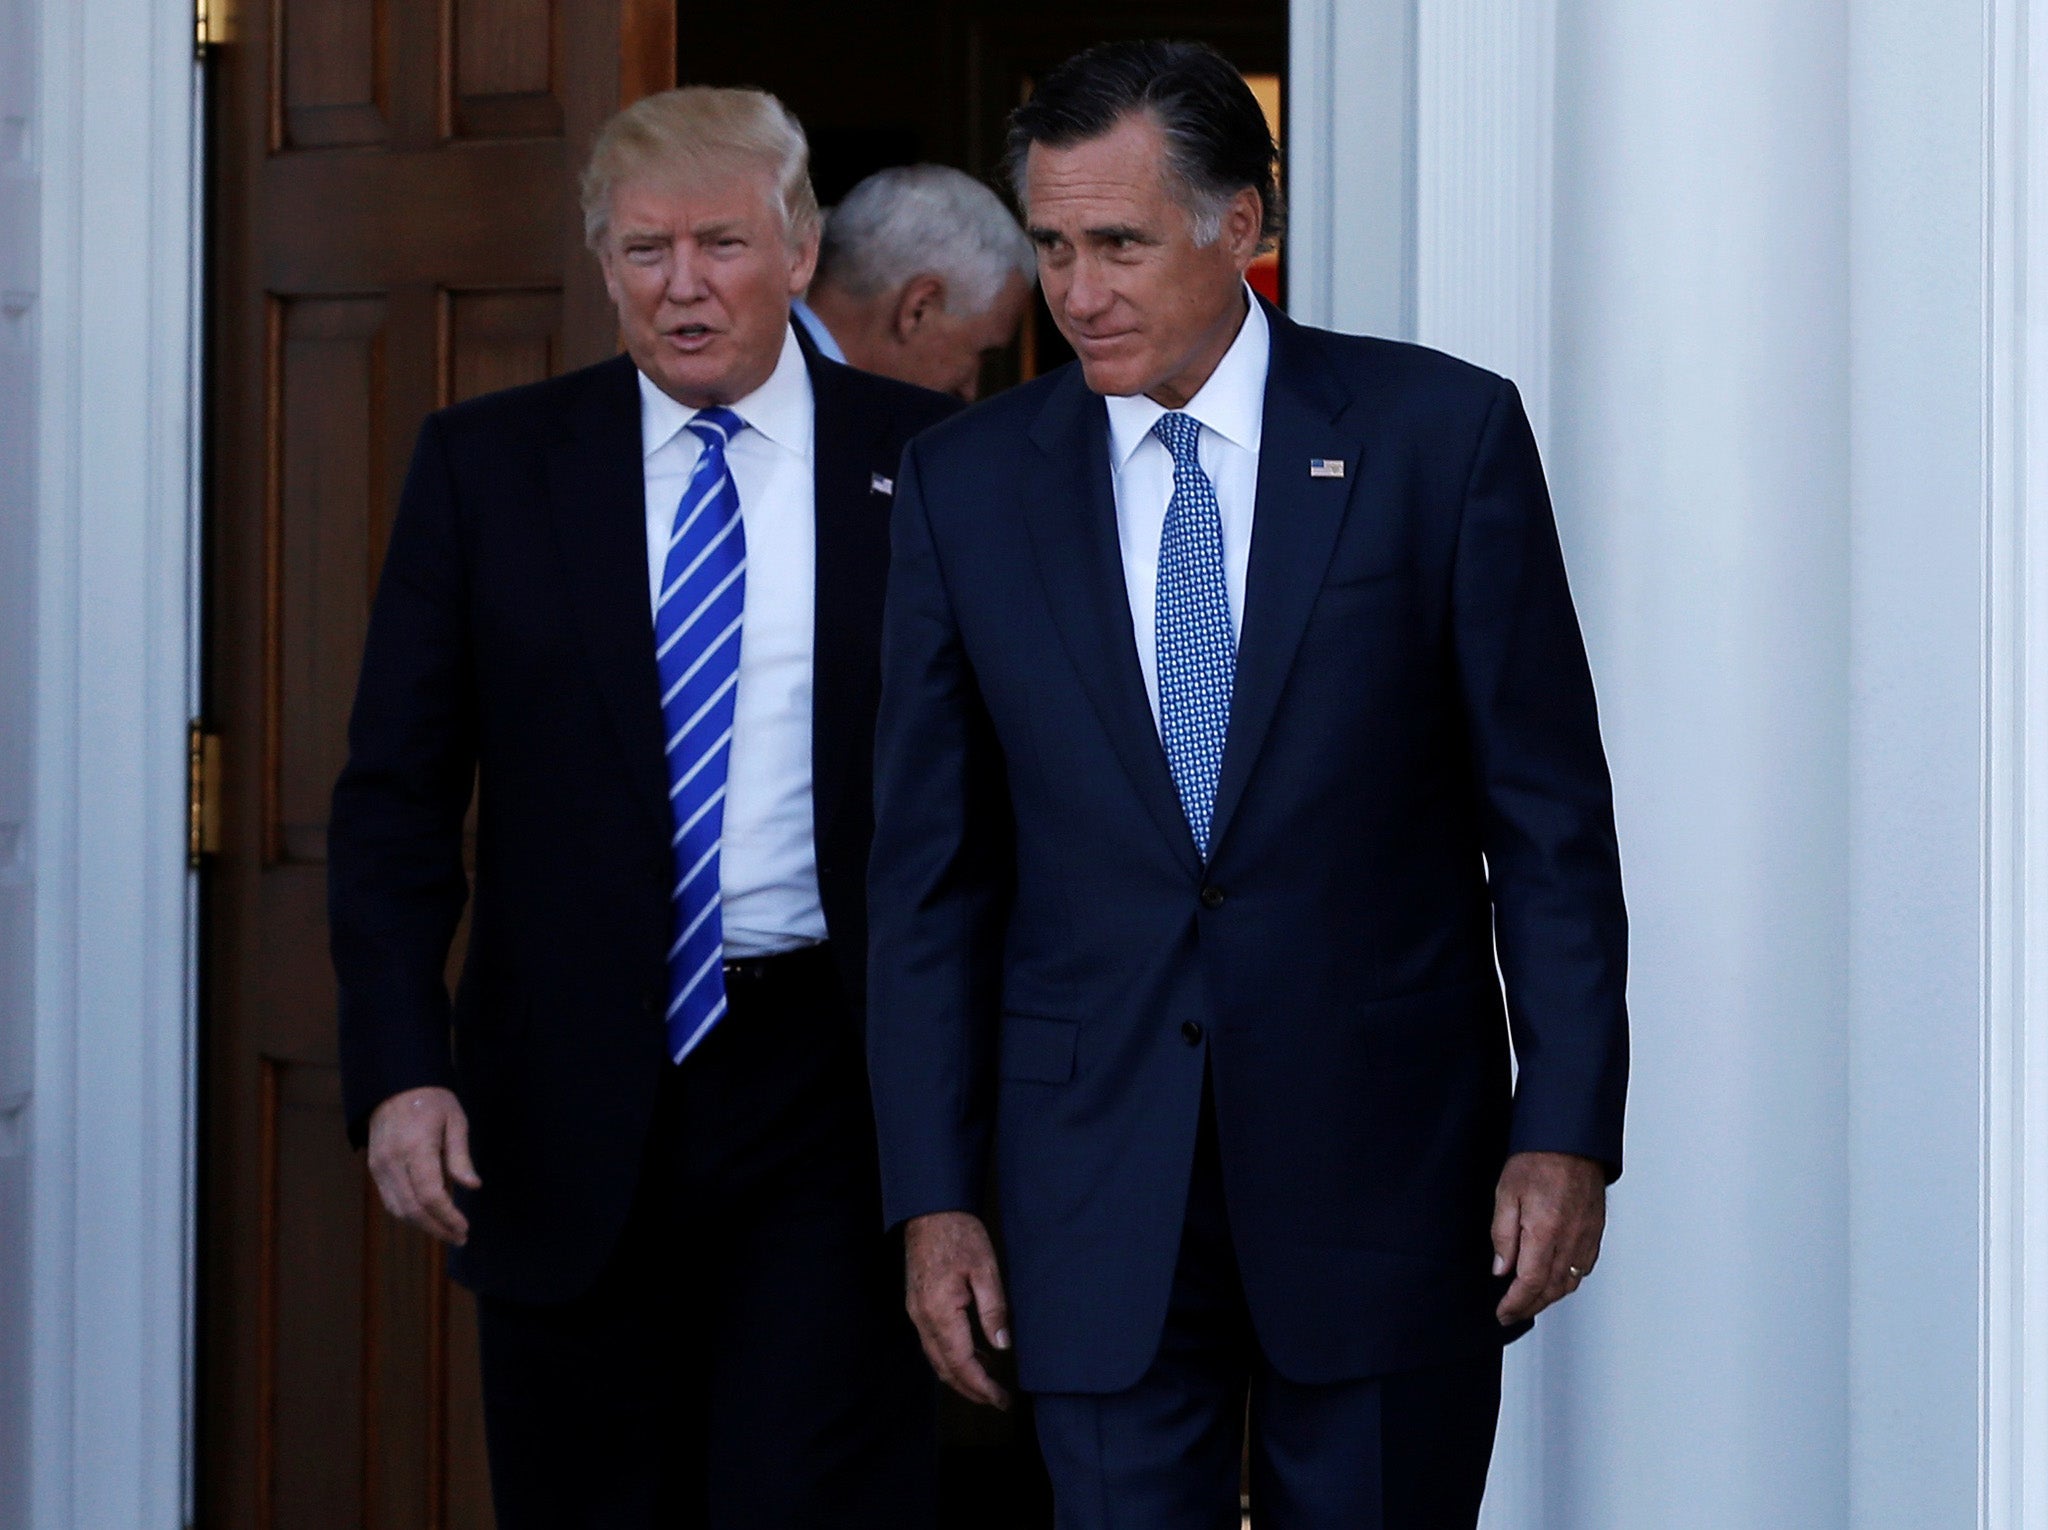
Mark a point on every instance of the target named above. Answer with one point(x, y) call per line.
point(1232, 403)
point(779, 409)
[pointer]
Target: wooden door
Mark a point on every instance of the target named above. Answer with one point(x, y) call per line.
point(393, 226)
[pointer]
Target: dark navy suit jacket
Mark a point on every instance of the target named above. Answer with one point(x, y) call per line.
point(1412, 781)
point(511, 650)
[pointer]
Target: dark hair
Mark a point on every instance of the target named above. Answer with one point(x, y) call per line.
point(1217, 141)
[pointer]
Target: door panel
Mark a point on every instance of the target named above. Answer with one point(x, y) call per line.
point(327, 398)
point(393, 226)
point(506, 83)
point(331, 81)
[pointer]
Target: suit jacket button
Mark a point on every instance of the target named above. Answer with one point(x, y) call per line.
point(1192, 1030)
point(1212, 897)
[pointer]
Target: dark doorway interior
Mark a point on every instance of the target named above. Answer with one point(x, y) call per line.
point(891, 82)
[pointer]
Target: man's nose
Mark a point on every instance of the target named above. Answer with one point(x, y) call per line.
point(1088, 294)
point(686, 282)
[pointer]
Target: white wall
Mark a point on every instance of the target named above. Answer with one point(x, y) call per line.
point(19, 186)
point(1738, 248)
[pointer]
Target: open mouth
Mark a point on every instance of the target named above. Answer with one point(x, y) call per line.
point(690, 337)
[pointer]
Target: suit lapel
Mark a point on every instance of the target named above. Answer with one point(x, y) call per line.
point(597, 494)
point(851, 460)
point(1295, 521)
point(1070, 506)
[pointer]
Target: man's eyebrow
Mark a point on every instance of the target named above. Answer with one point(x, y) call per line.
point(1108, 232)
point(713, 230)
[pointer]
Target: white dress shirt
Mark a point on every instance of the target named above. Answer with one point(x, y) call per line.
point(768, 861)
point(1231, 408)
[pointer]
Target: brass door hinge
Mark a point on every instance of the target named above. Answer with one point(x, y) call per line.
point(209, 25)
point(202, 794)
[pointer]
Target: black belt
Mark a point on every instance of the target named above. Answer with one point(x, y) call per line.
point(804, 964)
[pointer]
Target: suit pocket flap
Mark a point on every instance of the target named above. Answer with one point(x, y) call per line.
point(1041, 1051)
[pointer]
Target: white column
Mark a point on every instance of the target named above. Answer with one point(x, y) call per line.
point(1700, 435)
point(1795, 425)
point(1485, 73)
point(1350, 165)
point(1917, 365)
point(110, 1120)
point(2014, 1377)
point(19, 190)
point(1689, 346)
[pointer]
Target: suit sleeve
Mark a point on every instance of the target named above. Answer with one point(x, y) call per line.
point(1553, 866)
point(396, 884)
point(938, 889)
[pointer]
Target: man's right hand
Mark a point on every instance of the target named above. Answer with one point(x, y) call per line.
point(419, 1140)
point(952, 1280)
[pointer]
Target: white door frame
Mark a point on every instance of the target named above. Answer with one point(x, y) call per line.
point(111, 1118)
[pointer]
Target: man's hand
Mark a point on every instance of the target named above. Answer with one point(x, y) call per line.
point(1548, 1215)
point(419, 1140)
point(952, 1280)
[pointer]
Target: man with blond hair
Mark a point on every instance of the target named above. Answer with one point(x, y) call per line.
point(923, 274)
point(635, 611)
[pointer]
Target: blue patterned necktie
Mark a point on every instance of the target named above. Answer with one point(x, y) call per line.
point(1195, 643)
point(697, 650)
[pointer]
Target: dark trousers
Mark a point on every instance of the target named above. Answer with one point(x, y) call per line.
point(744, 1361)
point(1401, 1452)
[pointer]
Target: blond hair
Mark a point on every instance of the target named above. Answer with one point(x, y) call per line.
point(702, 127)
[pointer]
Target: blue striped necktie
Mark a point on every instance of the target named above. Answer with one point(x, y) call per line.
point(1195, 644)
point(697, 650)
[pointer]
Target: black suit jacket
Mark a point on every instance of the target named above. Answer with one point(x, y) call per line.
point(511, 650)
point(1412, 778)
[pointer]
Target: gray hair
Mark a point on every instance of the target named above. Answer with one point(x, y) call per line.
point(925, 220)
point(700, 127)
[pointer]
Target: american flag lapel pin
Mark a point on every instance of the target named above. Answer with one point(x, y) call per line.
point(1326, 467)
point(877, 484)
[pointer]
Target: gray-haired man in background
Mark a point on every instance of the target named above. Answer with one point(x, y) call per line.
point(922, 273)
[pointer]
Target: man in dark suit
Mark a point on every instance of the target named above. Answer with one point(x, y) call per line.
point(638, 609)
point(1234, 717)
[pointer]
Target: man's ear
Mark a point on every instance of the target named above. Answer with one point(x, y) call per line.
point(1243, 221)
point(803, 264)
point(1244, 218)
point(921, 297)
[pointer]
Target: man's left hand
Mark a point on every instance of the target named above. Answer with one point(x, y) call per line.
point(1548, 1215)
